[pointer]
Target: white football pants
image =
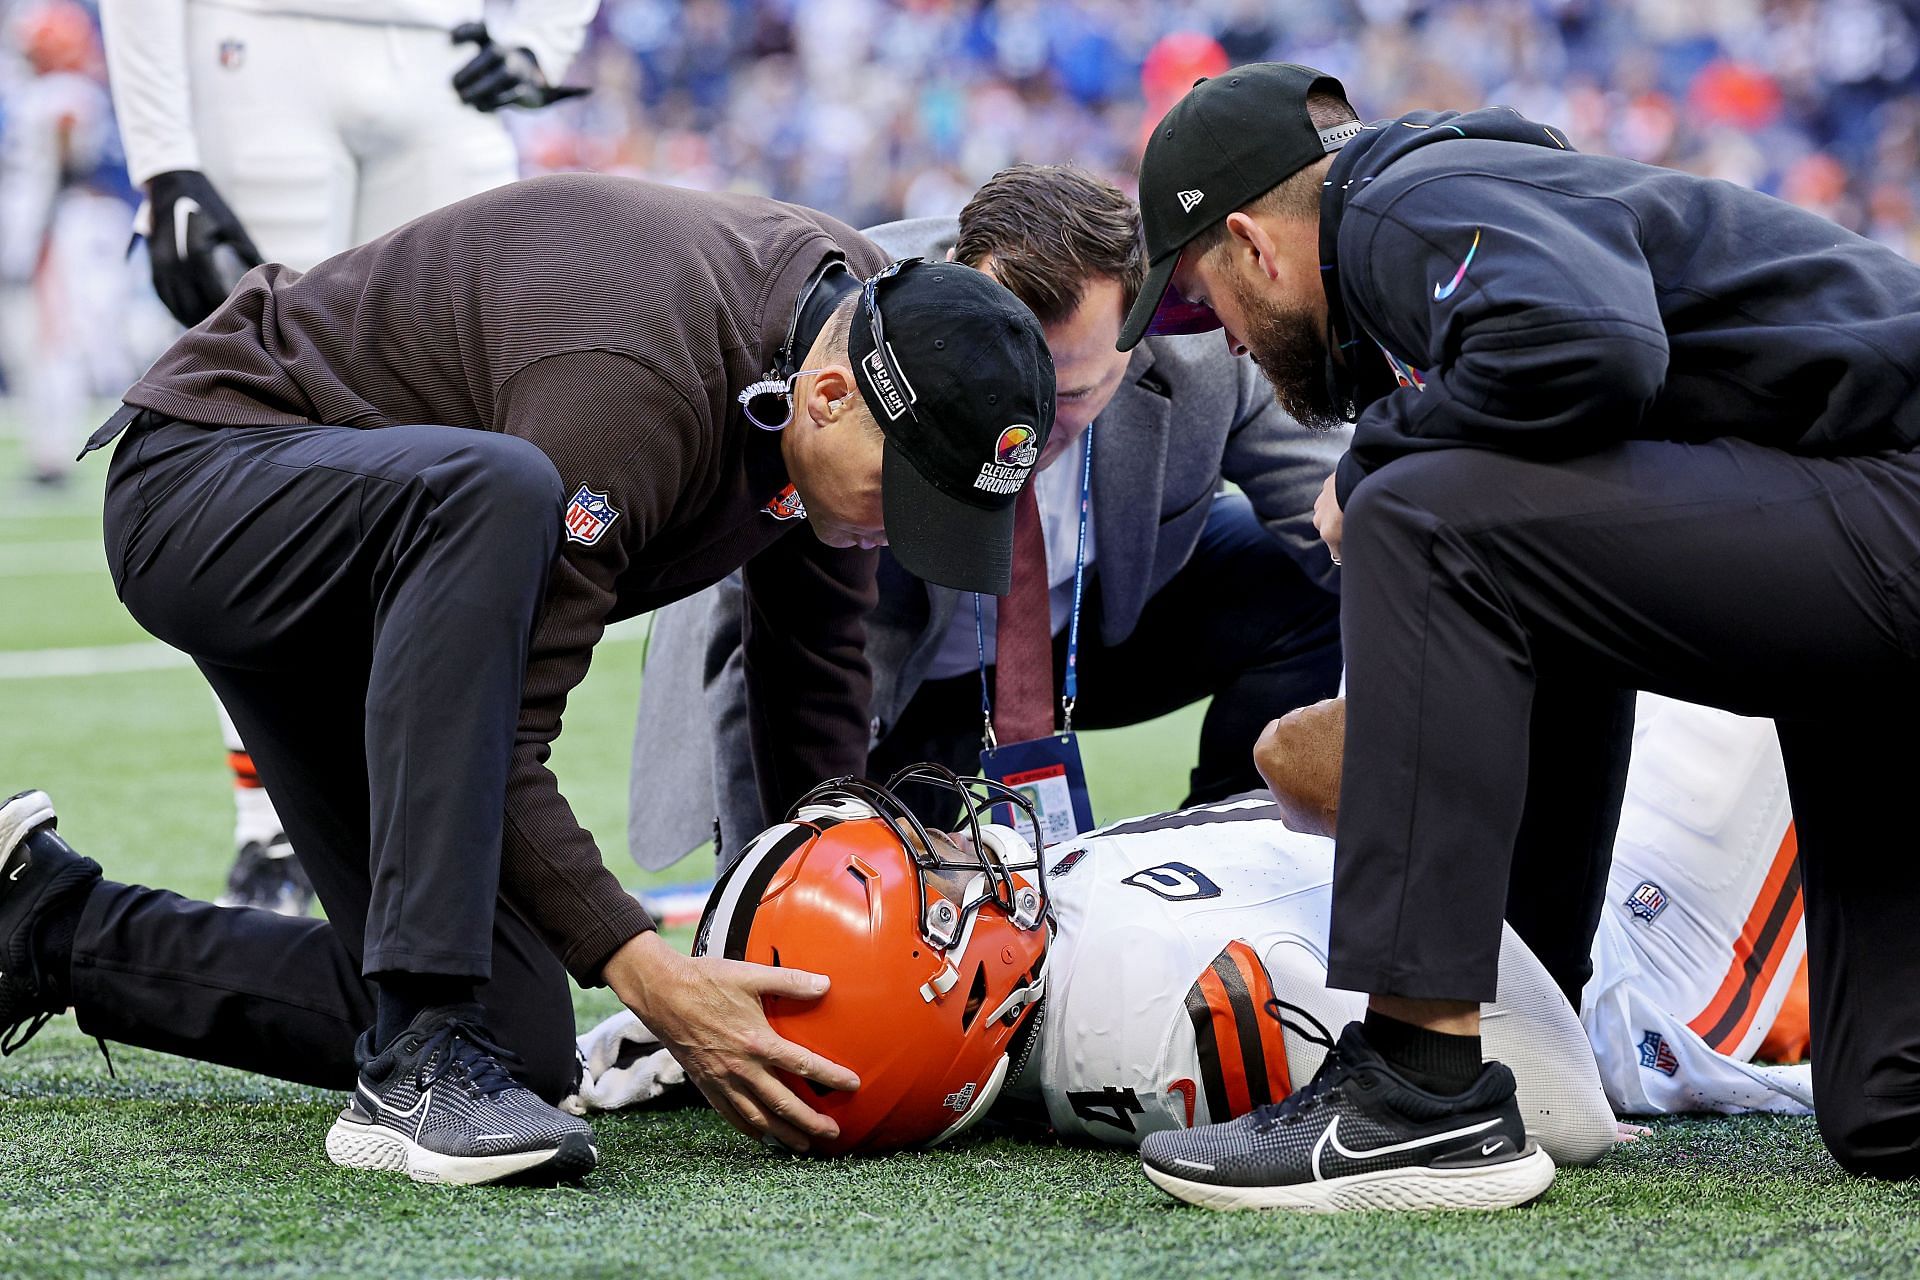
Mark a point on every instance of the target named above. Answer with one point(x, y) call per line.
point(324, 134)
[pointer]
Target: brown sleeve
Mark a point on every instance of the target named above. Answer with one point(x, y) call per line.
point(809, 688)
point(615, 426)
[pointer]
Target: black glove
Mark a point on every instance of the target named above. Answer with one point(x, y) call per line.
point(199, 249)
point(494, 78)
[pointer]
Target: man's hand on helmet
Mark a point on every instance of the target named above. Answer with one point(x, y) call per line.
point(708, 1012)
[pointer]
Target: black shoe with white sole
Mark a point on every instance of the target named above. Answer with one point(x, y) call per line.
point(39, 875)
point(439, 1105)
point(1358, 1136)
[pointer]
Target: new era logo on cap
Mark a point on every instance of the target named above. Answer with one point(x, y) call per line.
point(1188, 199)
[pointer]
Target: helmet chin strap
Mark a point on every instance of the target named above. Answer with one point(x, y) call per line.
point(1020, 997)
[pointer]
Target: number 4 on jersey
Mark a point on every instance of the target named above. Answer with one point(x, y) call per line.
point(1110, 1105)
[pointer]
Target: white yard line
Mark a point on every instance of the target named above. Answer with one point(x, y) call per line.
point(151, 655)
point(110, 659)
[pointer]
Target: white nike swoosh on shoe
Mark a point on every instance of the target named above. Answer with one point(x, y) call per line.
point(1332, 1138)
point(405, 1113)
point(1193, 1164)
point(1488, 1148)
point(15, 875)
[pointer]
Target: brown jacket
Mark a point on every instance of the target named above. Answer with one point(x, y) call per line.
point(612, 323)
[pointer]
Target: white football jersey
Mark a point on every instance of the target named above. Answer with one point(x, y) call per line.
point(1703, 930)
point(1173, 933)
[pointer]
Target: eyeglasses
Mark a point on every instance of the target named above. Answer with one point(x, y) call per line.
point(771, 394)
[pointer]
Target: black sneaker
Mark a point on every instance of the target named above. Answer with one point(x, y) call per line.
point(37, 869)
point(269, 876)
point(440, 1106)
point(1358, 1136)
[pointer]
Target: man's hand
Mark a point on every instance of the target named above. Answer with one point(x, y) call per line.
point(708, 1013)
point(1300, 756)
point(494, 77)
point(1327, 518)
point(198, 247)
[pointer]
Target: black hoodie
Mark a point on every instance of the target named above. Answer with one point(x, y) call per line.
point(1531, 299)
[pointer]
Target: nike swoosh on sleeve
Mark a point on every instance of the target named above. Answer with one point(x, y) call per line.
point(1442, 292)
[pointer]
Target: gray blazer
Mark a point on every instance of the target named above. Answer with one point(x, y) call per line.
point(1186, 417)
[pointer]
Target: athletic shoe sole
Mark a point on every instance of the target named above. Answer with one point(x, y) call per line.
point(20, 817)
point(1500, 1186)
point(353, 1145)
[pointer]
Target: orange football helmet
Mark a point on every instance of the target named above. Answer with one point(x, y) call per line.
point(937, 952)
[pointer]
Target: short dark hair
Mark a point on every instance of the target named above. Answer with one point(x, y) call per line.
point(1049, 230)
point(1295, 196)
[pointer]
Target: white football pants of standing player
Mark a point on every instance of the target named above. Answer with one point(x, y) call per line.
point(321, 133)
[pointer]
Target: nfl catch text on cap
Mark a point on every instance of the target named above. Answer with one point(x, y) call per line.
point(1229, 140)
point(961, 382)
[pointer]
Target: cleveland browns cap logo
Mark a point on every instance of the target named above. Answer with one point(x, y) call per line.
point(1016, 447)
point(1013, 457)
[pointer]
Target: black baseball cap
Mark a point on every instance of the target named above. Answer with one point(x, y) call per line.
point(958, 376)
point(1230, 139)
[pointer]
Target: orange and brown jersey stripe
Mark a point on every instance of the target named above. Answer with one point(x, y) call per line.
point(244, 774)
point(1757, 952)
point(1243, 1060)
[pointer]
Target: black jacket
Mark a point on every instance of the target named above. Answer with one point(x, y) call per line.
point(1550, 303)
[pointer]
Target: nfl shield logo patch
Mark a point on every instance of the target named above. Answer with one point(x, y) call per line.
point(589, 516)
point(232, 54)
point(1657, 1055)
point(1647, 900)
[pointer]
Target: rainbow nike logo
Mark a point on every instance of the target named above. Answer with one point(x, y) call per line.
point(1442, 293)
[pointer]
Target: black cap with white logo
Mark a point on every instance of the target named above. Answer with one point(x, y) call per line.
point(1231, 139)
point(958, 375)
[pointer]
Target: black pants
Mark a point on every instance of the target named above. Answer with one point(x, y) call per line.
point(1499, 612)
point(362, 602)
point(1239, 623)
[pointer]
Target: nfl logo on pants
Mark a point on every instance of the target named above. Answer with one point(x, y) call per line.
point(589, 516)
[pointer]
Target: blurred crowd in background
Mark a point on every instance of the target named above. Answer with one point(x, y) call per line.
point(875, 109)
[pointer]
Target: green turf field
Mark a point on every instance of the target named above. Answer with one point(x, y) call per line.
point(181, 1169)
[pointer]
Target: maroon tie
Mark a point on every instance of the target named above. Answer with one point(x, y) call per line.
point(1023, 635)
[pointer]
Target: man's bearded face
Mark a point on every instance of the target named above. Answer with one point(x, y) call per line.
point(1288, 346)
